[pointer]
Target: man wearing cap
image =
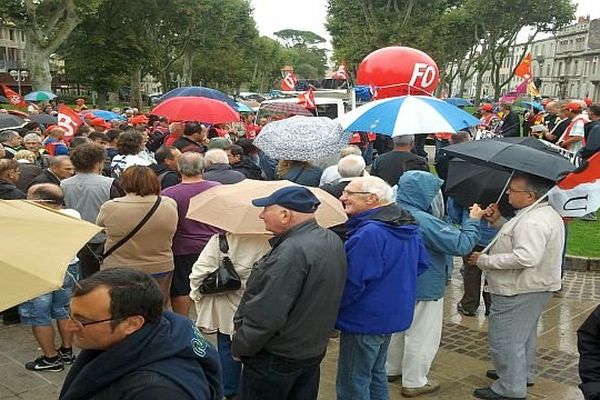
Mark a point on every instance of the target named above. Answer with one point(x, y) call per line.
point(292, 298)
point(572, 139)
point(489, 119)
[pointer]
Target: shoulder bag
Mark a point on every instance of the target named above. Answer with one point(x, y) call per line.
point(225, 278)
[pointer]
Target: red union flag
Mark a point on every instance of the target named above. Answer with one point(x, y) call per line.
point(289, 82)
point(69, 120)
point(13, 97)
point(524, 68)
point(578, 193)
point(307, 99)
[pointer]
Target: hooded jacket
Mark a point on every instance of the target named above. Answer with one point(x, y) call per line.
point(247, 167)
point(416, 191)
point(168, 360)
point(8, 191)
point(385, 254)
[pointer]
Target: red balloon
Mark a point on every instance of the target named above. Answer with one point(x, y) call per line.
point(398, 71)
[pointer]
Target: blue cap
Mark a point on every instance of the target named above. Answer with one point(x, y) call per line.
point(296, 198)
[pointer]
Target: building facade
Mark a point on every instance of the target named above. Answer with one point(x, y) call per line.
point(565, 65)
point(13, 69)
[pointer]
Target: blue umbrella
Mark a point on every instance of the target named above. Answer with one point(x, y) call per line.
point(458, 102)
point(105, 115)
point(532, 104)
point(241, 107)
point(40, 96)
point(407, 115)
point(199, 91)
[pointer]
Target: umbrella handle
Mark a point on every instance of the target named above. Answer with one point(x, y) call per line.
point(505, 186)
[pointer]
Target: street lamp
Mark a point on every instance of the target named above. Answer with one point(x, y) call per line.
point(179, 80)
point(19, 76)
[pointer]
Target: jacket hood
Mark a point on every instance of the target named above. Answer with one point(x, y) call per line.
point(418, 189)
point(173, 348)
point(391, 215)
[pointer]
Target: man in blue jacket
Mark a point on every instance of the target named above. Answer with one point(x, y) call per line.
point(385, 254)
point(131, 349)
point(412, 352)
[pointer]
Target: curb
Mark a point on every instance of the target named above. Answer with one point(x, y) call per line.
point(576, 263)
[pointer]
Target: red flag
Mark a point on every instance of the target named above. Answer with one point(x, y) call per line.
point(524, 68)
point(579, 192)
point(307, 99)
point(13, 97)
point(69, 120)
point(341, 73)
point(289, 82)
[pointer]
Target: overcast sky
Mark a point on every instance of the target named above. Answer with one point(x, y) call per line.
point(309, 15)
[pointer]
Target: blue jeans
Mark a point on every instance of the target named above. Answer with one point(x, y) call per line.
point(361, 367)
point(231, 369)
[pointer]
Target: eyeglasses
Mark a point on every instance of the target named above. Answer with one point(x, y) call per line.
point(350, 193)
point(82, 324)
point(517, 191)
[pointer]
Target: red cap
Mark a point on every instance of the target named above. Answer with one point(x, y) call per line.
point(487, 107)
point(573, 106)
point(100, 122)
point(139, 120)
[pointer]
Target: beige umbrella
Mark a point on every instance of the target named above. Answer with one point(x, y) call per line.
point(37, 245)
point(229, 207)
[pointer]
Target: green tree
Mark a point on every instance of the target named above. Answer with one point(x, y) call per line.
point(47, 24)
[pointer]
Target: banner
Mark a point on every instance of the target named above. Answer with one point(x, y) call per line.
point(13, 97)
point(307, 99)
point(69, 120)
point(289, 82)
point(524, 68)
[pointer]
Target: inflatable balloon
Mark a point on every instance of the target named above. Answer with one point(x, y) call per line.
point(398, 71)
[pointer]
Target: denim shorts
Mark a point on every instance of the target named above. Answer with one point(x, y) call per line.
point(54, 305)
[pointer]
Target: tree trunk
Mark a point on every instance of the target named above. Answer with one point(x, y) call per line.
point(461, 87)
point(478, 88)
point(101, 101)
point(38, 64)
point(188, 64)
point(136, 88)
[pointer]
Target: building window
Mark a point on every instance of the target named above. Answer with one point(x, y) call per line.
point(22, 36)
point(586, 66)
point(11, 34)
point(594, 65)
point(548, 70)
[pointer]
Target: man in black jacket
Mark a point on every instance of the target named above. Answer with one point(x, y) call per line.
point(592, 132)
point(393, 164)
point(292, 298)
point(131, 348)
point(588, 344)
point(60, 168)
point(166, 168)
point(511, 124)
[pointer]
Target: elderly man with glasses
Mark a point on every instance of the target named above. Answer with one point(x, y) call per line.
point(385, 255)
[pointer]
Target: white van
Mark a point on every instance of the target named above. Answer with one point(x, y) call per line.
point(330, 103)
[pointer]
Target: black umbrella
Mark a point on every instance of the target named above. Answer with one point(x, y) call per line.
point(10, 121)
point(44, 119)
point(527, 155)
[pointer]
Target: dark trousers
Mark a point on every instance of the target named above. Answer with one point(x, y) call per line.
point(231, 369)
point(89, 259)
point(472, 286)
point(269, 377)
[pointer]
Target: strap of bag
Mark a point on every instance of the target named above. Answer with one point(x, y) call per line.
point(134, 230)
point(223, 245)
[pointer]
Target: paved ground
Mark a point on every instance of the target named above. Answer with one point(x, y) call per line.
point(459, 366)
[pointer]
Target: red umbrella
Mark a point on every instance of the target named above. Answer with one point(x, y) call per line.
point(196, 109)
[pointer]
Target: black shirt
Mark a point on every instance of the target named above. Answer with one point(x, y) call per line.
point(392, 165)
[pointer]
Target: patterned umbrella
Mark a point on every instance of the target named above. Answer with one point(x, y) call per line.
point(286, 108)
point(302, 138)
point(199, 91)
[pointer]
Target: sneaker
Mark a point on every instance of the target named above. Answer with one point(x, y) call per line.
point(42, 363)
point(66, 355)
point(464, 312)
point(431, 387)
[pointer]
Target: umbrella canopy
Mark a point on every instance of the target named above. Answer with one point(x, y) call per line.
point(10, 121)
point(229, 207)
point(407, 115)
point(302, 138)
point(531, 104)
point(286, 108)
point(28, 271)
point(44, 119)
point(458, 102)
point(241, 107)
point(3, 99)
point(40, 96)
point(527, 155)
point(198, 91)
point(105, 115)
point(196, 109)
point(470, 183)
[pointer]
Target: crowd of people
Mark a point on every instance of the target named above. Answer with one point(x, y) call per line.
point(379, 279)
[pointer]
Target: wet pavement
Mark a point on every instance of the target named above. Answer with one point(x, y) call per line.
point(460, 364)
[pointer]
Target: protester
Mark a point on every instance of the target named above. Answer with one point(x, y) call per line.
point(194, 136)
point(175, 132)
point(149, 250)
point(385, 254)
point(592, 133)
point(215, 312)
point(33, 143)
point(523, 268)
point(166, 168)
point(11, 141)
point(588, 344)
point(489, 119)
point(288, 310)
point(191, 236)
point(300, 172)
point(60, 168)
point(28, 170)
point(40, 311)
point(572, 138)
point(130, 144)
point(217, 168)
point(131, 348)
point(393, 164)
point(112, 148)
point(511, 123)
point(412, 352)
point(331, 174)
point(54, 144)
point(85, 192)
point(349, 167)
point(561, 122)
point(245, 159)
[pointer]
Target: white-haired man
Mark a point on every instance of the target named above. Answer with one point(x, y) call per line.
point(349, 167)
point(385, 254)
point(217, 168)
point(331, 173)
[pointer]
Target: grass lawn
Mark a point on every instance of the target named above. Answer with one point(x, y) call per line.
point(584, 238)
